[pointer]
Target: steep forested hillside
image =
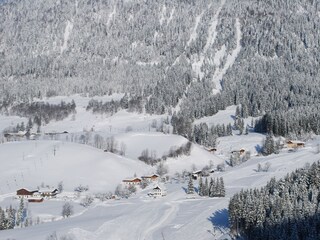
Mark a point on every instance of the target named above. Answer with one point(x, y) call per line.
point(284, 209)
point(192, 57)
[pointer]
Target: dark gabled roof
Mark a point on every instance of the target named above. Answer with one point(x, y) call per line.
point(26, 190)
point(150, 176)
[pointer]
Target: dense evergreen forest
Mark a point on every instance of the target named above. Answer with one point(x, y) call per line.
point(285, 209)
point(168, 55)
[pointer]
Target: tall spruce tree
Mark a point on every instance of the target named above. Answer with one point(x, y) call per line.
point(201, 187)
point(268, 146)
point(190, 189)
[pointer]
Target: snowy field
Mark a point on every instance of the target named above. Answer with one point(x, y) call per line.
point(139, 217)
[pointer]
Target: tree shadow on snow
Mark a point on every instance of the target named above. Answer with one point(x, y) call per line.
point(185, 189)
point(258, 148)
point(219, 219)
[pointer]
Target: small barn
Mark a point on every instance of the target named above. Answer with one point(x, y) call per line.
point(25, 193)
point(196, 174)
point(151, 178)
point(158, 191)
point(212, 150)
point(35, 200)
point(134, 181)
point(240, 151)
point(48, 193)
point(295, 144)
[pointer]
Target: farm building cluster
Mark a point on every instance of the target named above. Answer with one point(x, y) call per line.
point(157, 191)
point(37, 195)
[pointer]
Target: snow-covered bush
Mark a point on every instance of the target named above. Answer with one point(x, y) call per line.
point(67, 210)
point(87, 201)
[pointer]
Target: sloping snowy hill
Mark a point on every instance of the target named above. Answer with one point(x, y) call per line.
point(155, 142)
point(174, 216)
point(31, 163)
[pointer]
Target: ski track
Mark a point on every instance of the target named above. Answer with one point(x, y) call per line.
point(212, 34)
point(111, 16)
point(217, 77)
point(163, 14)
point(66, 36)
point(193, 35)
point(149, 232)
point(196, 66)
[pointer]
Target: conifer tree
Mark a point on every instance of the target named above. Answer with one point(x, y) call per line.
point(206, 188)
point(212, 187)
point(3, 220)
point(11, 219)
point(222, 191)
point(201, 187)
point(20, 213)
point(190, 189)
point(268, 146)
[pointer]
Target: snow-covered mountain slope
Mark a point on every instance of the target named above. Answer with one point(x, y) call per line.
point(158, 143)
point(31, 163)
point(173, 216)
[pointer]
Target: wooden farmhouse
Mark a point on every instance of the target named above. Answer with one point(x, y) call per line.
point(196, 174)
point(241, 151)
point(134, 181)
point(151, 178)
point(48, 193)
point(295, 144)
point(212, 150)
point(25, 193)
point(158, 191)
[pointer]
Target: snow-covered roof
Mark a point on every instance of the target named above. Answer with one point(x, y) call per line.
point(295, 141)
point(150, 176)
point(48, 190)
point(131, 179)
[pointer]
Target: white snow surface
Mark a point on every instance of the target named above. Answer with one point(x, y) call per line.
point(158, 142)
point(163, 14)
point(219, 55)
point(174, 216)
point(84, 120)
point(30, 163)
point(111, 16)
point(218, 75)
point(66, 36)
point(212, 34)
point(221, 117)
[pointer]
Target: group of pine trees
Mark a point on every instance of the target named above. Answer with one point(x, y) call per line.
point(237, 158)
point(270, 145)
point(150, 157)
point(10, 217)
point(133, 103)
point(288, 208)
point(42, 113)
point(298, 121)
point(214, 188)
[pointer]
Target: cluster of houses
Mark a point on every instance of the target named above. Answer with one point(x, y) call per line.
point(36, 195)
point(157, 191)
